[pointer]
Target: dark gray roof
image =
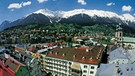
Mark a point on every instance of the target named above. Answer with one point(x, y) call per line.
point(118, 53)
point(119, 70)
point(11, 65)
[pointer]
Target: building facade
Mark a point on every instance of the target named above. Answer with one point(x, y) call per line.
point(82, 61)
point(119, 34)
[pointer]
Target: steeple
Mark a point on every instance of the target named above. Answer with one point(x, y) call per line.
point(119, 33)
point(118, 27)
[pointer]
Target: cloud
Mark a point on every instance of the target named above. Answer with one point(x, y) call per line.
point(126, 8)
point(26, 3)
point(110, 4)
point(82, 2)
point(41, 1)
point(18, 5)
point(14, 5)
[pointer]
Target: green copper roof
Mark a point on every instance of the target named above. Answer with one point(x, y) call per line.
point(129, 39)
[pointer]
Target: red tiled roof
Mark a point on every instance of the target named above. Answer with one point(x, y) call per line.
point(84, 48)
point(32, 48)
point(19, 49)
point(48, 44)
point(39, 46)
point(53, 43)
point(4, 71)
point(61, 36)
point(93, 56)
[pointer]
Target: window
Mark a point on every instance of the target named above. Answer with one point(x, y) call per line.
point(85, 71)
point(120, 34)
point(121, 73)
point(91, 72)
point(85, 66)
point(41, 56)
point(92, 67)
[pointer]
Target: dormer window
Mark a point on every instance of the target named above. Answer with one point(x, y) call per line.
point(83, 58)
point(87, 50)
point(56, 53)
point(51, 52)
point(97, 57)
point(91, 58)
point(64, 54)
point(74, 56)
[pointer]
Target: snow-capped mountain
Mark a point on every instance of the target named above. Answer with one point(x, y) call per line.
point(79, 16)
point(125, 18)
point(91, 13)
point(94, 15)
point(45, 12)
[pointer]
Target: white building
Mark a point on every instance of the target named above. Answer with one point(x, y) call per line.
point(74, 62)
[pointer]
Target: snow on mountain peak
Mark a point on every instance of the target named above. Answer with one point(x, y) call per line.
point(45, 12)
point(128, 17)
point(91, 13)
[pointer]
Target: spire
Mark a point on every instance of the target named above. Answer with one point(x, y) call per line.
point(118, 27)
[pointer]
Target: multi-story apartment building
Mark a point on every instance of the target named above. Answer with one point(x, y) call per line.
point(82, 61)
point(42, 61)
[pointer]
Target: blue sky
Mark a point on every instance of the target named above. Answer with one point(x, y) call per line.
point(15, 9)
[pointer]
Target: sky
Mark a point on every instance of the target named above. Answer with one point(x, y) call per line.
point(12, 10)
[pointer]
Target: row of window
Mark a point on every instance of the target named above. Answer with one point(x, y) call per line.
point(91, 72)
point(92, 67)
point(56, 61)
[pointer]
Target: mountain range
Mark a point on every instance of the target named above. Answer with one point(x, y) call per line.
point(78, 16)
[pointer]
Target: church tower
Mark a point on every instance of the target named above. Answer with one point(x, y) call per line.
point(119, 34)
